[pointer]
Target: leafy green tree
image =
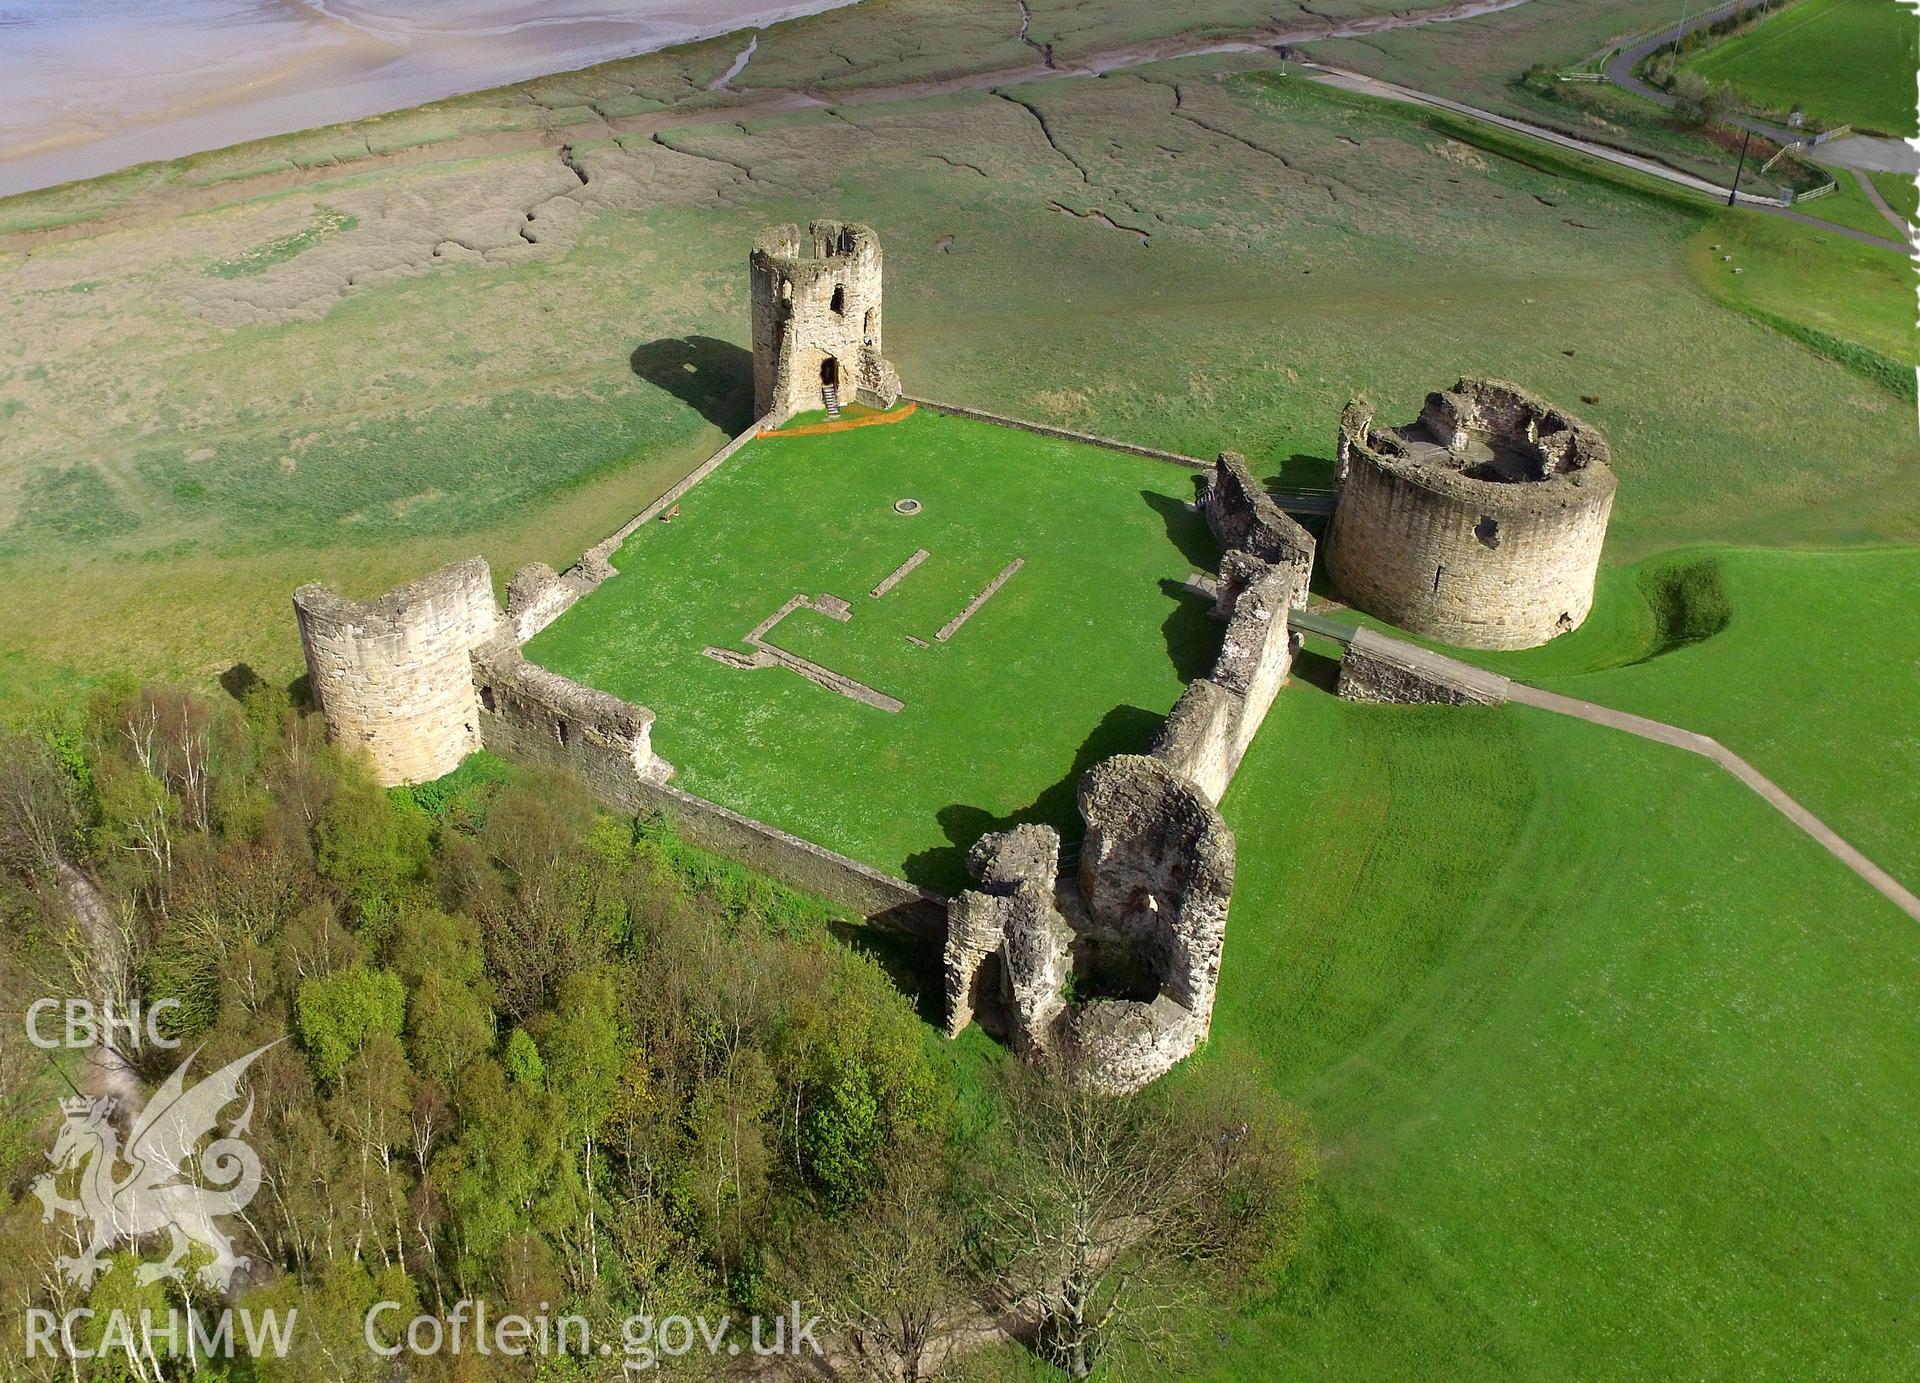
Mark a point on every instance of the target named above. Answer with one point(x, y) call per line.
point(335, 1014)
point(508, 1171)
point(448, 1025)
point(368, 850)
point(521, 1057)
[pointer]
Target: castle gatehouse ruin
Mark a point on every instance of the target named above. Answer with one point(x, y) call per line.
point(1479, 524)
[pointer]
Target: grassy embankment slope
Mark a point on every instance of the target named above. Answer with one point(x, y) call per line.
point(1613, 1070)
point(1078, 656)
point(1845, 62)
point(1805, 663)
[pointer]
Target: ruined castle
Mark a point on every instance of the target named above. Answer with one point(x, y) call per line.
point(1480, 524)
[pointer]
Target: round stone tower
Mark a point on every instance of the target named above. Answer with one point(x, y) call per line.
point(395, 675)
point(816, 319)
point(1480, 524)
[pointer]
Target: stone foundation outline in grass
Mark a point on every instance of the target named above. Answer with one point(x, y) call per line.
point(911, 609)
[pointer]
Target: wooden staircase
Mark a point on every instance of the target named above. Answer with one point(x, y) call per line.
point(830, 395)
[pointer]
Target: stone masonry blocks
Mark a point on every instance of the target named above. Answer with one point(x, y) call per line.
point(817, 318)
point(394, 676)
point(1480, 524)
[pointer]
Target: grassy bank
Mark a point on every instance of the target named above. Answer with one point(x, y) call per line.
point(1848, 301)
point(1802, 662)
point(1548, 1053)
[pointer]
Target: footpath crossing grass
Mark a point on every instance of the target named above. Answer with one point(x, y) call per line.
point(1612, 1070)
point(1807, 664)
point(1843, 61)
point(1079, 654)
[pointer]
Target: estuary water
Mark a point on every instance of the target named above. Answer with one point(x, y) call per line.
point(94, 85)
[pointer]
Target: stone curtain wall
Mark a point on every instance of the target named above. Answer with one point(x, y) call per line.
point(816, 296)
point(1065, 434)
point(880, 898)
point(537, 595)
point(393, 675)
point(1268, 563)
point(1156, 869)
point(1244, 519)
point(1208, 731)
point(1420, 541)
point(533, 716)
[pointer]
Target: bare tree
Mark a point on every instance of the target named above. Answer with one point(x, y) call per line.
point(37, 817)
point(1109, 1214)
point(891, 1279)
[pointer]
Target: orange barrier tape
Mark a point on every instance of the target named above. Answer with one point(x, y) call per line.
point(842, 424)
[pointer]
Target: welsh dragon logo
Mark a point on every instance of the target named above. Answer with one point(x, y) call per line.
point(159, 1191)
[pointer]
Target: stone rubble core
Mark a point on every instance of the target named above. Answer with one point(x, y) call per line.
point(1144, 918)
point(1479, 524)
point(816, 319)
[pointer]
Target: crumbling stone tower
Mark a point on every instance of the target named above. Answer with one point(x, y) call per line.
point(395, 675)
point(1479, 524)
point(816, 319)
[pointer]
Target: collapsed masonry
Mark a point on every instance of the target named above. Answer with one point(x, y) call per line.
point(1141, 923)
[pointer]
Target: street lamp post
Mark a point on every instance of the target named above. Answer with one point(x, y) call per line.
point(1734, 190)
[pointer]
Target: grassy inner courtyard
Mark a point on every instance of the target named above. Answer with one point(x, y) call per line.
point(1079, 654)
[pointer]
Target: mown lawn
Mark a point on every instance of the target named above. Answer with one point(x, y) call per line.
point(1843, 61)
point(1078, 656)
point(1807, 664)
point(1613, 1071)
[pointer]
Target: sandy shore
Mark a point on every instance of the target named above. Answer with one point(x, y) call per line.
point(96, 87)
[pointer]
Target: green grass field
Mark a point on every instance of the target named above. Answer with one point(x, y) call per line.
point(1612, 1069)
point(1077, 657)
point(1830, 291)
point(1811, 678)
point(1843, 61)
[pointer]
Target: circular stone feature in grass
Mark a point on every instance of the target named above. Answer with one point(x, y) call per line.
point(909, 507)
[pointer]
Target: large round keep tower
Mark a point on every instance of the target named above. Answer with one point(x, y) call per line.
point(394, 676)
point(816, 319)
point(1480, 524)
